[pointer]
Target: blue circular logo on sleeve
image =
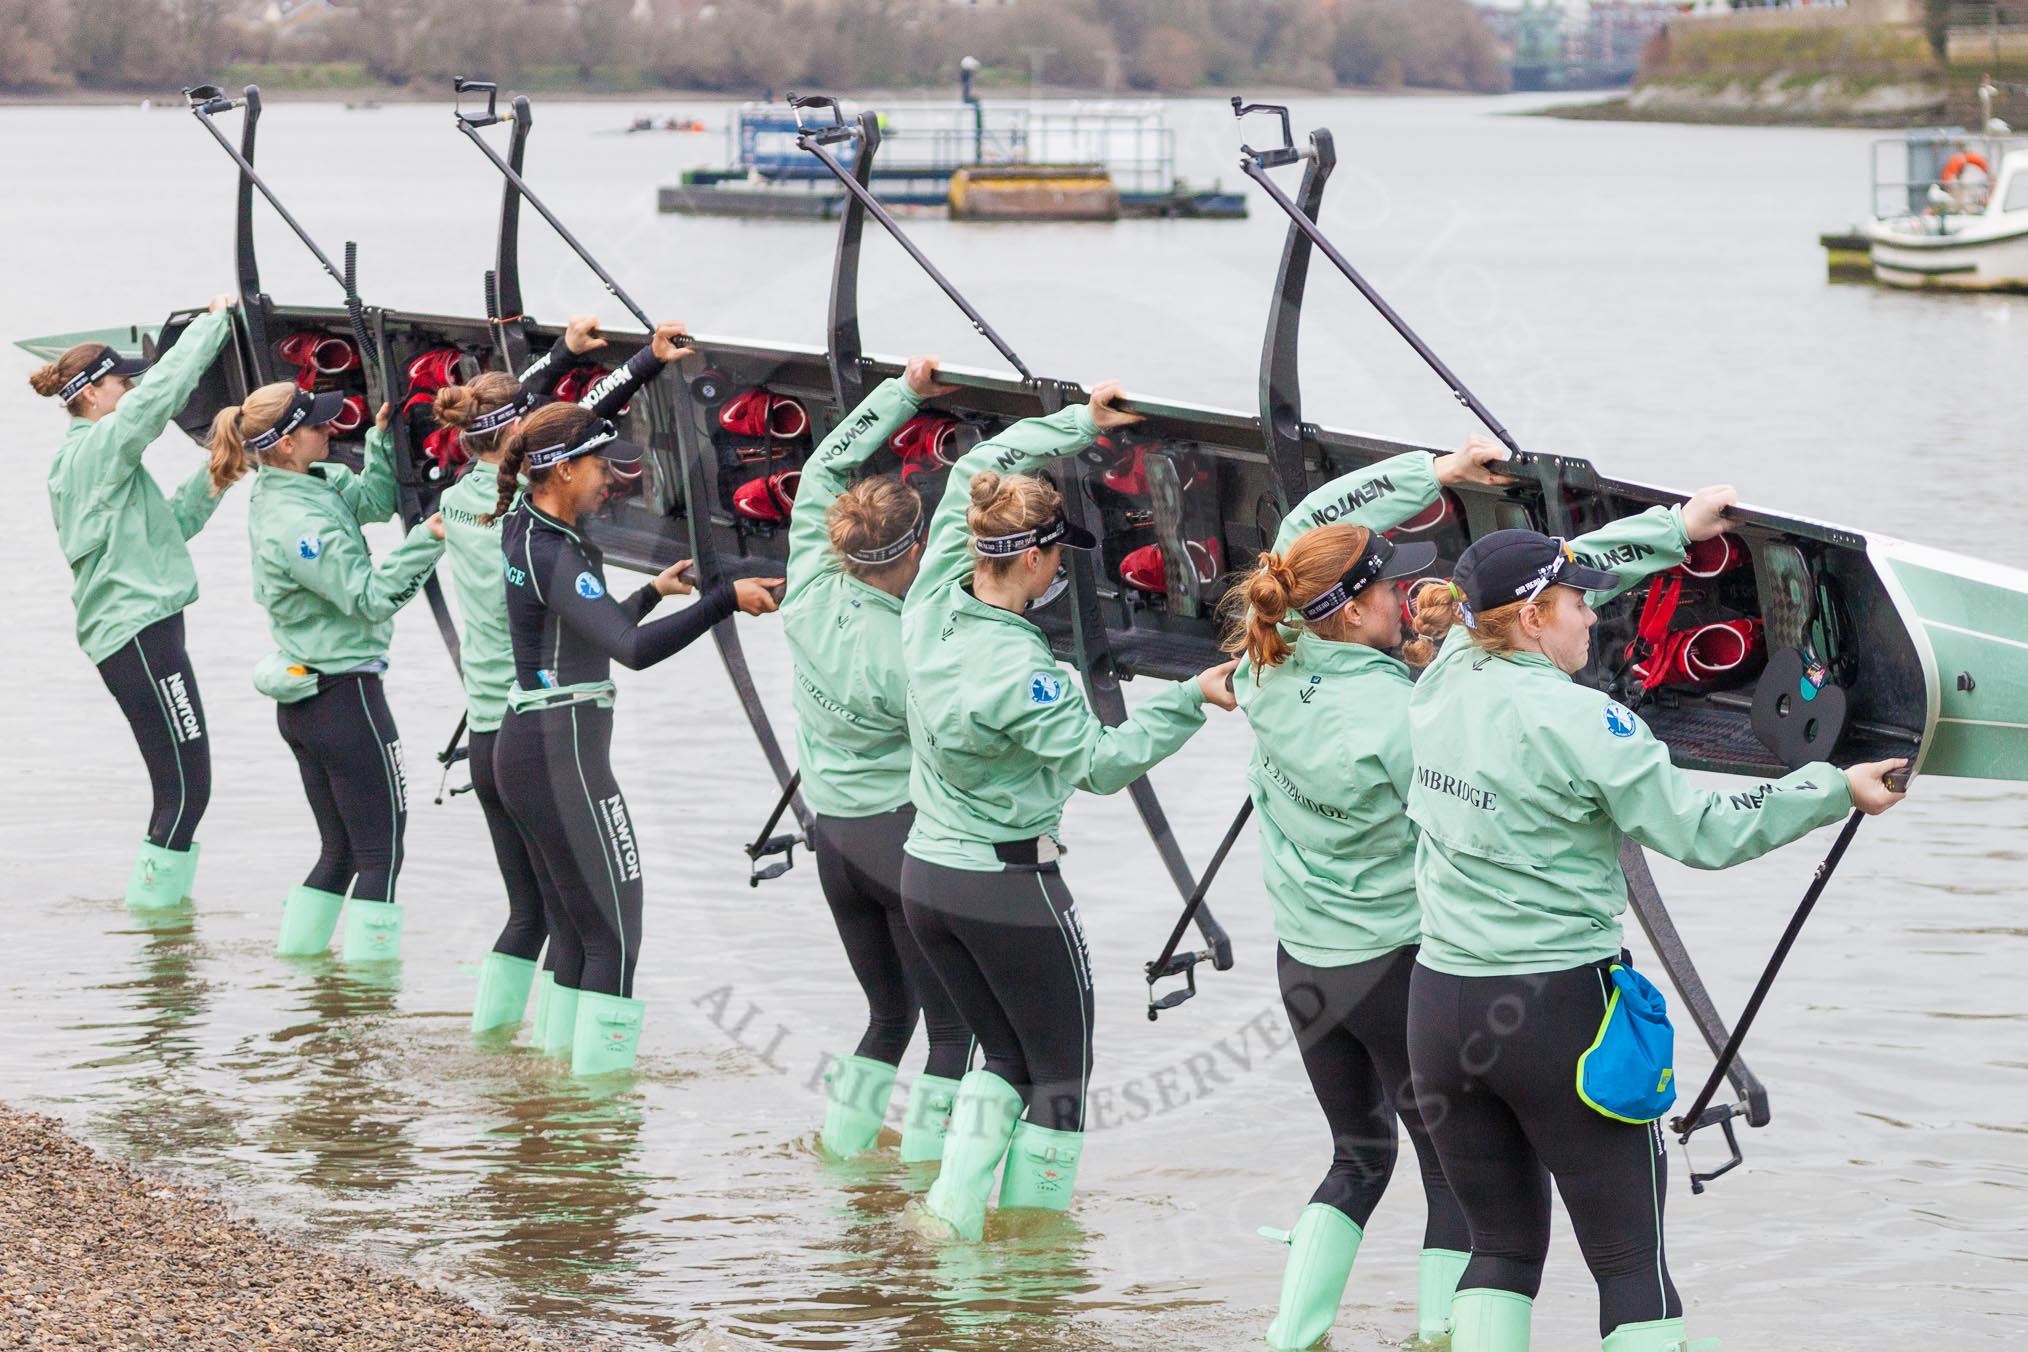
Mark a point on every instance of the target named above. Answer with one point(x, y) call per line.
point(310, 546)
point(589, 587)
point(1619, 719)
point(1045, 687)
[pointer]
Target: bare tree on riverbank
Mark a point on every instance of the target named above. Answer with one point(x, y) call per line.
point(743, 46)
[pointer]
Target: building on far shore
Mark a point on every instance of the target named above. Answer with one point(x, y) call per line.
point(1555, 45)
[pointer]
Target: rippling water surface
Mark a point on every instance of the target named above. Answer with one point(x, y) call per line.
point(1649, 296)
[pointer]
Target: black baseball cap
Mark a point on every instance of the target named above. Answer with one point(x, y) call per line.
point(1519, 565)
point(1382, 560)
point(307, 408)
point(105, 362)
point(601, 439)
point(1058, 530)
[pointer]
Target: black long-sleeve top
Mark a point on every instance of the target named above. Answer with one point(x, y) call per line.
point(606, 398)
point(565, 628)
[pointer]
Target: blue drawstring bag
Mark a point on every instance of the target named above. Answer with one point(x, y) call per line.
point(1629, 1071)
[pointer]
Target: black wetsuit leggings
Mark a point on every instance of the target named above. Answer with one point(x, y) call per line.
point(1495, 1061)
point(1351, 1025)
point(1010, 950)
point(350, 757)
point(554, 768)
point(527, 925)
point(151, 677)
point(859, 865)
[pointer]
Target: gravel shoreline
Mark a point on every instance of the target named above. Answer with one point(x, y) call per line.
point(97, 1254)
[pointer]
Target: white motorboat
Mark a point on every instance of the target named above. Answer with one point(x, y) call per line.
point(1973, 235)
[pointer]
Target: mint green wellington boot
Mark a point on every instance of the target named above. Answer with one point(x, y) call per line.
point(545, 983)
point(1436, 1281)
point(308, 919)
point(557, 1033)
point(1486, 1320)
point(372, 931)
point(503, 991)
point(1321, 1250)
point(983, 1114)
point(1041, 1169)
point(161, 877)
point(606, 1035)
point(856, 1093)
point(1656, 1335)
point(928, 1119)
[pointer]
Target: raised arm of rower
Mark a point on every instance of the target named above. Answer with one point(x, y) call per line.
point(1639, 546)
point(579, 339)
point(1026, 446)
point(115, 442)
point(1381, 497)
point(612, 392)
point(828, 471)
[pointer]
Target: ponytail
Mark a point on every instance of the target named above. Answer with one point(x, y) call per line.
point(1263, 601)
point(263, 409)
point(228, 449)
point(508, 479)
point(1004, 505)
point(1436, 607)
point(1268, 602)
point(455, 406)
point(874, 513)
point(49, 379)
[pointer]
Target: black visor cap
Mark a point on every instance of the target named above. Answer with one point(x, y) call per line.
point(1063, 531)
point(1410, 560)
point(1505, 566)
point(621, 455)
point(325, 406)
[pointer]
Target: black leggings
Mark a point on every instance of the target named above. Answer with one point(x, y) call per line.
point(152, 679)
point(554, 768)
point(526, 926)
point(859, 864)
point(1010, 950)
point(1351, 1024)
point(350, 757)
point(1495, 1062)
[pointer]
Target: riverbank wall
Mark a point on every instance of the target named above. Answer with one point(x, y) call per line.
point(1870, 63)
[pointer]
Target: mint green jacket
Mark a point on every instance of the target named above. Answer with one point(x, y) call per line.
point(473, 550)
point(851, 694)
point(1526, 782)
point(1331, 764)
point(330, 607)
point(123, 540)
point(1001, 733)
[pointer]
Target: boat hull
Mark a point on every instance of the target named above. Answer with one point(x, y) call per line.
point(1931, 648)
point(1983, 262)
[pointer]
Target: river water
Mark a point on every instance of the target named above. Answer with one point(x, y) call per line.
point(1650, 296)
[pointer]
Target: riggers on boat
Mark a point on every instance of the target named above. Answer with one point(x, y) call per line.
point(1928, 648)
point(1852, 645)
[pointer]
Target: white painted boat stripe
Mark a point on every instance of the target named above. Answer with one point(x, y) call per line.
point(1976, 633)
